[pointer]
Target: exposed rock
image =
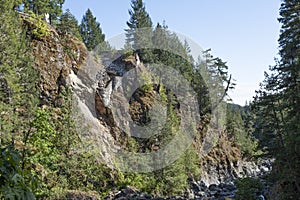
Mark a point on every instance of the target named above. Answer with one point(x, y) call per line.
point(220, 164)
point(128, 193)
point(55, 62)
point(63, 60)
point(78, 195)
point(109, 78)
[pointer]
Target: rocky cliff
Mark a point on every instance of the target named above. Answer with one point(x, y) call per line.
point(64, 61)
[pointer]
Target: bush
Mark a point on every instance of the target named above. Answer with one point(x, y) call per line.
point(15, 182)
point(39, 28)
point(248, 188)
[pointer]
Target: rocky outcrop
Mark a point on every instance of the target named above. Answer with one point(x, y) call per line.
point(63, 60)
point(109, 78)
point(76, 195)
point(198, 191)
point(55, 57)
point(220, 164)
point(224, 163)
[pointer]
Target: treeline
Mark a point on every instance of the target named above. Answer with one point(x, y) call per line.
point(89, 30)
point(274, 113)
point(277, 106)
point(38, 142)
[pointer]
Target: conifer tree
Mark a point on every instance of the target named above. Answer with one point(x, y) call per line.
point(69, 24)
point(278, 103)
point(139, 32)
point(17, 77)
point(90, 31)
point(52, 7)
point(17, 103)
point(139, 18)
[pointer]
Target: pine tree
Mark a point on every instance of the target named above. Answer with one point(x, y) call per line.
point(69, 24)
point(90, 31)
point(279, 103)
point(16, 74)
point(139, 32)
point(52, 7)
point(17, 103)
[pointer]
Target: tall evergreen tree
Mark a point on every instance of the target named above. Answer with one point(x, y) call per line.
point(139, 32)
point(279, 102)
point(139, 18)
point(90, 31)
point(17, 103)
point(17, 77)
point(69, 24)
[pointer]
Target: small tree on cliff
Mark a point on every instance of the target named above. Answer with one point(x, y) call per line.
point(139, 32)
point(90, 31)
point(69, 24)
point(53, 7)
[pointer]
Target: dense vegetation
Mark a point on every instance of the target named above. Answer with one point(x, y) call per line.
point(38, 141)
point(277, 106)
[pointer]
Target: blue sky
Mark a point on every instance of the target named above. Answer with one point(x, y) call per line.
point(243, 33)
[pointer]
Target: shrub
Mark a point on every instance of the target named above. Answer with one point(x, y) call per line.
point(15, 182)
point(248, 188)
point(39, 28)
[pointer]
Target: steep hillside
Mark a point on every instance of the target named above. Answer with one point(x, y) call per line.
point(104, 128)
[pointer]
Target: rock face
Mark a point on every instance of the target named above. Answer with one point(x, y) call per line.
point(109, 79)
point(55, 57)
point(198, 191)
point(220, 164)
point(63, 60)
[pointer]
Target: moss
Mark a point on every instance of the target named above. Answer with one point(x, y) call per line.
point(39, 28)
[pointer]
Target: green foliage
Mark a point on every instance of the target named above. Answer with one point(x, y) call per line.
point(145, 80)
point(90, 31)
point(41, 7)
point(215, 73)
point(17, 99)
point(17, 77)
point(69, 24)
point(139, 24)
point(191, 162)
point(141, 181)
point(172, 179)
point(39, 28)
point(169, 181)
point(15, 182)
point(278, 102)
point(139, 32)
point(236, 127)
point(248, 188)
point(42, 139)
point(127, 49)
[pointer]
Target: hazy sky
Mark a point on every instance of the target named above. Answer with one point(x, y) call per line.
point(243, 33)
